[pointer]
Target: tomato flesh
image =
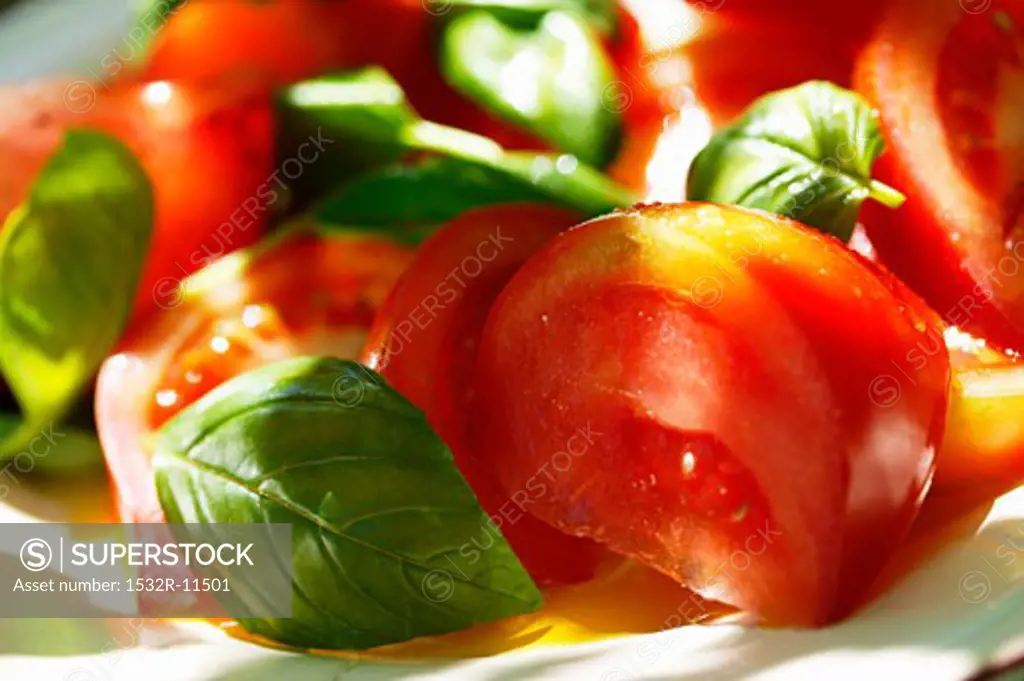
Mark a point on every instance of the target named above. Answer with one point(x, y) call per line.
point(695, 381)
point(206, 148)
point(984, 437)
point(949, 90)
point(686, 70)
point(424, 343)
point(308, 294)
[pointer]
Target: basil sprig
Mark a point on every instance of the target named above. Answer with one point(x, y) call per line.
point(366, 114)
point(554, 80)
point(805, 153)
point(388, 540)
point(70, 261)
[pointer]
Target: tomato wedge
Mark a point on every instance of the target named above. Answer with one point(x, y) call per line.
point(710, 390)
point(424, 344)
point(949, 86)
point(303, 293)
point(984, 438)
point(206, 148)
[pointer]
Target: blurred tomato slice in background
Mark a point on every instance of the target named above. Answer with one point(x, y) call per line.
point(206, 148)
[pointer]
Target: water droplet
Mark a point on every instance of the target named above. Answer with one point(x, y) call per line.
point(252, 316)
point(689, 461)
point(219, 344)
point(566, 164)
point(166, 398)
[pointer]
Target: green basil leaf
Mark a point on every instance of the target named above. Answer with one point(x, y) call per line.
point(356, 117)
point(601, 14)
point(805, 153)
point(563, 179)
point(389, 542)
point(554, 81)
point(410, 200)
point(70, 260)
point(367, 110)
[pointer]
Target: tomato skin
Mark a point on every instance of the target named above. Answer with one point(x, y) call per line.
point(697, 348)
point(321, 292)
point(206, 148)
point(948, 241)
point(424, 344)
point(278, 41)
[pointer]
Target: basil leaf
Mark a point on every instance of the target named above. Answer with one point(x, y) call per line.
point(70, 261)
point(366, 110)
point(805, 153)
point(410, 200)
point(599, 13)
point(553, 81)
point(389, 542)
point(361, 113)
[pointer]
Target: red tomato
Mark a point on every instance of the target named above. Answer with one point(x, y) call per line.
point(304, 294)
point(424, 344)
point(712, 390)
point(686, 70)
point(984, 436)
point(207, 150)
point(849, 22)
point(280, 41)
point(949, 87)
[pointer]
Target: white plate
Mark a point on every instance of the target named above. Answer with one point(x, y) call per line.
point(961, 608)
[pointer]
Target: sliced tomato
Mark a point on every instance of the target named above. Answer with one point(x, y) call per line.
point(278, 41)
point(282, 42)
point(688, 69)
point(304, 293)
point(712, 391)
point(847, 22)
point(949, 86)
point(984, 438)
point(208, 150)
point(424, 344)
